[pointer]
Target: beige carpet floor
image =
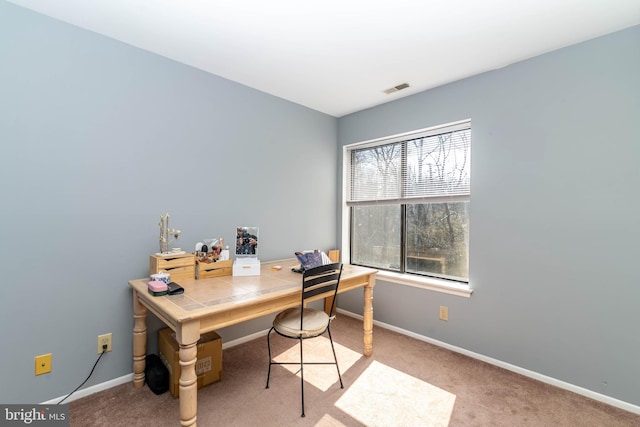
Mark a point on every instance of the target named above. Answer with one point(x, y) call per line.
point(406, 382)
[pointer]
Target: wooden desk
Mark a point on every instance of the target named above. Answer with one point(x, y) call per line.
point(210, 304)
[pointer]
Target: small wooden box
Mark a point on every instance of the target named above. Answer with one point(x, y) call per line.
point(214, 269)
point(180, 267)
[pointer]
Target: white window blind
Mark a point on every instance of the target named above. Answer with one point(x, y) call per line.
point(427, 166)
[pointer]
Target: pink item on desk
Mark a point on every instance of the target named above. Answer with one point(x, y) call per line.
point(157, 288)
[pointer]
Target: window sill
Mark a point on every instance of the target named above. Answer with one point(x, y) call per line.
point(430, 283)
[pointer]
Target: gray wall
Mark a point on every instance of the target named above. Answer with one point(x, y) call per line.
point(98, 139)
point(554, 214)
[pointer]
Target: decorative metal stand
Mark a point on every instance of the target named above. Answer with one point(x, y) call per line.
point(166, 233)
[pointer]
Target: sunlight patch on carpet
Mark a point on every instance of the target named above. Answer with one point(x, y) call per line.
point(328, 421)
point(319, 350)
point(383, 396)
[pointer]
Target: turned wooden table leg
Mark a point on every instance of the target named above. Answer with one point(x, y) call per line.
point(328, 303)
point(368, 316)
point(139, 341)
point(334, 256)
point(188, 335)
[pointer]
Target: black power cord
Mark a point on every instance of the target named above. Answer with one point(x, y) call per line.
point(104, 350)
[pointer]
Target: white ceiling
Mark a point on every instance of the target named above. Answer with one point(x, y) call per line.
point(338, 56)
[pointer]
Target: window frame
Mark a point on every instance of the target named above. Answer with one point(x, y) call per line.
point(449, 286)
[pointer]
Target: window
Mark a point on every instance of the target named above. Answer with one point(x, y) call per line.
point(408, 202)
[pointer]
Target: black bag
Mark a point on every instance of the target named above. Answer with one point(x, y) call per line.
point(308, 260)
point(156, 374)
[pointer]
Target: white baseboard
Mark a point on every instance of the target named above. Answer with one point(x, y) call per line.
point(91, 390)
point(245, 339)
point(527, 373)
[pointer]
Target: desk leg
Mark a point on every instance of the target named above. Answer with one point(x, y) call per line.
point(188, 335)
point(368, 317)
point(328, 303)
point(139, 341)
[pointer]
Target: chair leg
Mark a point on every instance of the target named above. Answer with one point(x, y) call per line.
point(269, 349)
point(334, 357)
point(301, 364)
point(301, 377)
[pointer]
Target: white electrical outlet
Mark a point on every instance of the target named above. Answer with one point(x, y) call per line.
point(444, 313)
point(104, 340)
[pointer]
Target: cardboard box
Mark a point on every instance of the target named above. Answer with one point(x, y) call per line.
point(208, 365)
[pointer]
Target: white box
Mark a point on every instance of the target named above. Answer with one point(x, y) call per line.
point(246, 267)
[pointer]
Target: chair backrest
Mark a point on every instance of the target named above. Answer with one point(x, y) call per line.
point(321, 280)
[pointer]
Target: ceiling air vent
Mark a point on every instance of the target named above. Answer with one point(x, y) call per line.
point(396, 88)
